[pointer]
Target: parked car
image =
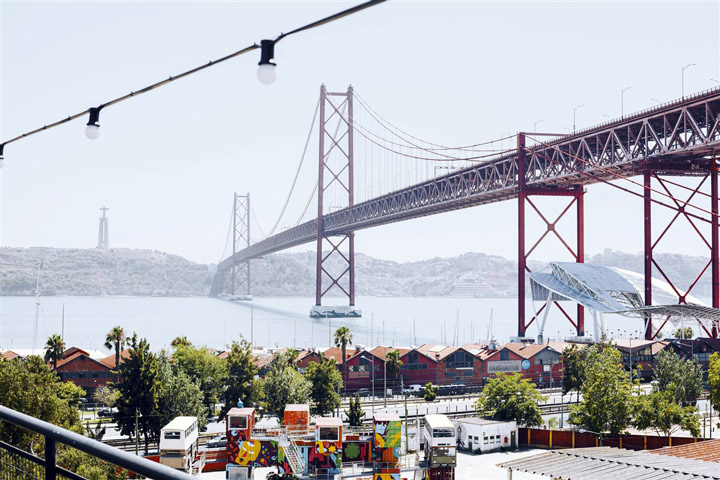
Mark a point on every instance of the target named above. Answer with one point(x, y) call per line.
point(107, 412)
point(363, 392)
point(217, 442)
point(412, 388)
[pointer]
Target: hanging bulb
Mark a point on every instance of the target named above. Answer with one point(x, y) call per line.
point(2, 157)
point(266, 67)
point(93, 127)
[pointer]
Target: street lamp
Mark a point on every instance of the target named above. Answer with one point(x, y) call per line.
point(536, 124)
point(714, 80)
point(372, 360)
point(266, 67)
point(622, 99)
point(575, 110)
point(655, 100)
point(683, 77)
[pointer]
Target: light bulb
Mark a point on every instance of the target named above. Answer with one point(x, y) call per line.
point(266, 73)
point(92, 131)
point(2, 162)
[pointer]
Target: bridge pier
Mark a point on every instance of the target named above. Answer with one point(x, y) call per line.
point(707, 172)
point(240, 272)
point(335, 269)
point(576, 194)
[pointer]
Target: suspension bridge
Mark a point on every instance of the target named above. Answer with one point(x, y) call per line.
point(638, 154)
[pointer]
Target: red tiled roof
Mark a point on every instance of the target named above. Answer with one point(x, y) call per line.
point(335, 353)
point(110, 360)
point(70, 358)
point(525, 350)
point(381, 351)
point(708, 450)
point(222, 355)
point(9, 355)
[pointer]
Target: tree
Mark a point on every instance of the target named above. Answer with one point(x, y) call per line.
point(393, 364)
point(180, 342)
point(115, 338)
point(54, 349)
point(239, 374)
point(573, 361)
point(660, 412)
point(31, 388)
point(683, 378)
point(355, 413)
point(684, 333)
point(204, 370)
point(430, 392)
point(108, 396)
point(607, 393)
point(139, 391)
point(713, 380)
point(284, 384)
point(511, 397)
point(343, 338)
point(179, 396)
point(324, 378)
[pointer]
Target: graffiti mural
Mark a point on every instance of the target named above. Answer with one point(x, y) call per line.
point(356, 452)
point(326, 455)
point(259, 453)
point(387, 476)
point(387, 441)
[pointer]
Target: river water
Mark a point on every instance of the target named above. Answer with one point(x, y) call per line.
point(399, 321)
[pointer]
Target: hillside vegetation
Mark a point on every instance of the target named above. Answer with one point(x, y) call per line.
point(152, 273)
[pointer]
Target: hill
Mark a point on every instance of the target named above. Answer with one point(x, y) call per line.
point(152, 273)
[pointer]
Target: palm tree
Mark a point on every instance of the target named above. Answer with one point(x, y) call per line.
point(115, 339)
point(54, 348)
point(393, 364)
point(180, 341)
point(343, 338)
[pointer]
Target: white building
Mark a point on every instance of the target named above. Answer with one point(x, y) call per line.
point(485, 435)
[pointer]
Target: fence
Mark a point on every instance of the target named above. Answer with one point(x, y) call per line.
point(540, 438)
point(17, 464)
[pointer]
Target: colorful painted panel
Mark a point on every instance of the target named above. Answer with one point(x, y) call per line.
point(387, 442)
point(257, 453)
point(326, 455)
point(387, 476)
point(356, 452)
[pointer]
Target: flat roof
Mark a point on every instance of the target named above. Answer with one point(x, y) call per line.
point(297, 407)
point(483, 421)
point(386, 417)
point(438, 421)
point(329, 422)
point(247, 411)
point(180, 423)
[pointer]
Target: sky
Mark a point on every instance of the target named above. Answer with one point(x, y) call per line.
point(167, 163)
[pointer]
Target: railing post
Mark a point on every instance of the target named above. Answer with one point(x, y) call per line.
point(50, 450)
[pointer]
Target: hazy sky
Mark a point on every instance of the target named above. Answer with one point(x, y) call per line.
point(167, 163)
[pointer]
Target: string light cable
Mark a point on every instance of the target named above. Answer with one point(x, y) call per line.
point(266, 74)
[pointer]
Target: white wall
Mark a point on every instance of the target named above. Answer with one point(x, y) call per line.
point(471, 434)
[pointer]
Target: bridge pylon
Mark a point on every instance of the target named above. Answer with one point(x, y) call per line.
point(576, 195)
point(335, 263)
point(240, 272)
point(655, 180)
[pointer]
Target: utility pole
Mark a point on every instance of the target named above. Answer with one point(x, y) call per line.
point(137, 429)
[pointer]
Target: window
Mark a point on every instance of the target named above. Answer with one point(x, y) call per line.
point(485, 439)
point(172, 435)
point(238, 422)
point(497, 438)
point(443, 433)
point(504, 355)
point(329, 433)
point(459, 360)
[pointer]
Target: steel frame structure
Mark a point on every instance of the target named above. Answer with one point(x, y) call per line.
point(339, 170)
point(681, 137)
point(576, 194)
point(680, 209)
point(240, 272)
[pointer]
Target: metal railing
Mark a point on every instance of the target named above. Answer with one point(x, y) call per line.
point(16, 464)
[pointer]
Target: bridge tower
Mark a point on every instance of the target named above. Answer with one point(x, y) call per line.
point(704, 170)
point(240, 273)
point(575, 193)
point(335, 266)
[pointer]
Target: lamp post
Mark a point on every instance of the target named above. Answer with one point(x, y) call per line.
point(622, 101)
point(372, 360)
point(574, 111)
point(536, 124)
point(683, 77)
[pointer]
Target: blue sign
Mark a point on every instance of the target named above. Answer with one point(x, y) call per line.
point(525, 364)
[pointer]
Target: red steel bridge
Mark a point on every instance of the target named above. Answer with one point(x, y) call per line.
point(646, 150)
